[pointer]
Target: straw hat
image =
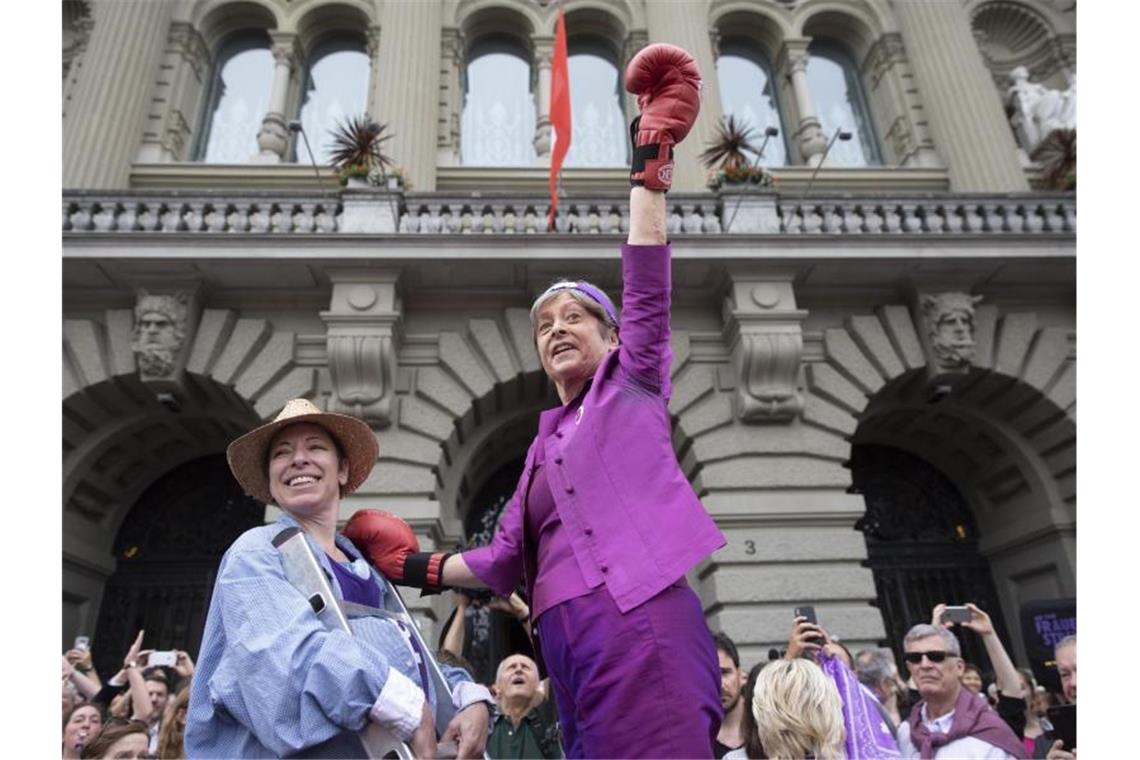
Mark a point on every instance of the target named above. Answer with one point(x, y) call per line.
point(249, 455)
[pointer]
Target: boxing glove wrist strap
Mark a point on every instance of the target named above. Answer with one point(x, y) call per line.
point(651, 164)
point(424, 569)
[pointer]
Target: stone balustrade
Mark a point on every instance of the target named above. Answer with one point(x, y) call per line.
point(695, 214)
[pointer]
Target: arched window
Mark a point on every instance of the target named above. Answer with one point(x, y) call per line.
point(238, 99)
point(600, 131)
point(839, 101)
point(336, 87)
point(748, 92)
point(498, 105)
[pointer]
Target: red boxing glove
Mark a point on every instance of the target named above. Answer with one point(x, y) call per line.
point(667, 83)
point(390, 545)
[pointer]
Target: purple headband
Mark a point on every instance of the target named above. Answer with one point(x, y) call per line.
point(595, 294)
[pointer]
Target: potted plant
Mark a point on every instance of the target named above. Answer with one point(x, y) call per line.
point(1057, 155)
point(727, 160)
point(357, 152)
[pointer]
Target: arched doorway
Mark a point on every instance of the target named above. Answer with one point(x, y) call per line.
point(491, 635)
point(167, 553)
point(922, 545)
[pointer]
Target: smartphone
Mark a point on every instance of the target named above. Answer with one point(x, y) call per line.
point(166, 657)
point(806, 612)
point(957, 615)
point(82, 643)
point(1064, 720)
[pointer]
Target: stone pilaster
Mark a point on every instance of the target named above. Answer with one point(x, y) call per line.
point(112, 90)
point(363, 338)
point(406, 91)
point(177, 96)
point(966, 116)
point(890, 85)
point(686, 24)
point(450, 97)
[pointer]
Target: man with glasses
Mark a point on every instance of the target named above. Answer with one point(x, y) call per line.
point(951, 721)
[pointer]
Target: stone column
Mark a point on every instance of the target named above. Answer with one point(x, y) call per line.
point(809, 136)
point(685, 23)
point(372, 47)
point(543, 133)
point(273, 137)
point(406, 90)
point(966, 116)
point(111, 93)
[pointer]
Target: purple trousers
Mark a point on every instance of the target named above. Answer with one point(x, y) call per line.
point(642, 684)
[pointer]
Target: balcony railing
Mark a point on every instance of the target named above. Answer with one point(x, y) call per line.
point(269, 213)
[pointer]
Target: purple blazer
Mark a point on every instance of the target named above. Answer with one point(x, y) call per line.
point(632, 518)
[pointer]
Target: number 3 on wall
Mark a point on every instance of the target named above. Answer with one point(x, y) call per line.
point(749, 547)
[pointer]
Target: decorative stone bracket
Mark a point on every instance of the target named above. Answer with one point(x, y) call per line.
point(364, 322)
point(763, 331)
point(164, 319)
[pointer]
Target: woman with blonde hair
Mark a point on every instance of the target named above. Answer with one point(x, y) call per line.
point(170, 746)
point(797, 712)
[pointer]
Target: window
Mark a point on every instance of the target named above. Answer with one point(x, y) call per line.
point(336, 87)
point(238, 100)
point(600, 131)
point(747, 92)
point(497, 128)
point(839, 101)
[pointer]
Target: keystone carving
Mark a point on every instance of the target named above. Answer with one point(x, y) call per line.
point(948, 319)
point(159, 334)
point(363, 337)
point(763, 330)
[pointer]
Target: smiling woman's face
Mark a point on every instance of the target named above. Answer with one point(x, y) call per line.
point(305, 471)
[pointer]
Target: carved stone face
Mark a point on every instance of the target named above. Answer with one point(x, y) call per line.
point(953, 338)
point(158, 334)
point(950, 327)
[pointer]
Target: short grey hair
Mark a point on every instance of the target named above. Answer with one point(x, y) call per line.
point(1070, 640)
point(589, 304)
point(872, 666)
point(926, 630)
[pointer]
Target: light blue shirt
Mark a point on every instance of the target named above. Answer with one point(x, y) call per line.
point(271, 679)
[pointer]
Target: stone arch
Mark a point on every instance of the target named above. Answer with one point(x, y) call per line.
point(483, 17)
point(857, 24)
point(1005, 433)
point(610, 21)
point(214, 19)
point(766, 26)
point(317, 19)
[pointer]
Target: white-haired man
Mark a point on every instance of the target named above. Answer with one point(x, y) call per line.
point(1048, 746)
point(951, 721)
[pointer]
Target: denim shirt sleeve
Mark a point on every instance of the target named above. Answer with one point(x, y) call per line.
point(270, 668)
point(647, 283)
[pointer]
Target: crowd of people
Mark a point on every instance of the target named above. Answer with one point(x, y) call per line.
point(139, 712)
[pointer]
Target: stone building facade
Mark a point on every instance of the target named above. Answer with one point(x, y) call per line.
point(875, 359)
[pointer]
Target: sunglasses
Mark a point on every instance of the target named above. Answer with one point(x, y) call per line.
point(914, 658)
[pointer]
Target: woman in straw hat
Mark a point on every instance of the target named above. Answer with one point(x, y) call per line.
point(271, 679)
point(604, 525)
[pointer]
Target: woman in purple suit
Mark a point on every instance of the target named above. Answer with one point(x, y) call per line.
point(604, 525)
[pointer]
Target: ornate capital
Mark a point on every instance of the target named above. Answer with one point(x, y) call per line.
point(887, 51)
point(948, 326)
point(364, 332)
point(793, 57)
point(763, 329)
point(185, 41)
point(286, 50)
point(634, 42)
point(372, 44)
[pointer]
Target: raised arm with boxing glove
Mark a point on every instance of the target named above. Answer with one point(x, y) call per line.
point(390, 545)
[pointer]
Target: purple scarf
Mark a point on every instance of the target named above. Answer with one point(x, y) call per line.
point(867, 734)
point(974, 717)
